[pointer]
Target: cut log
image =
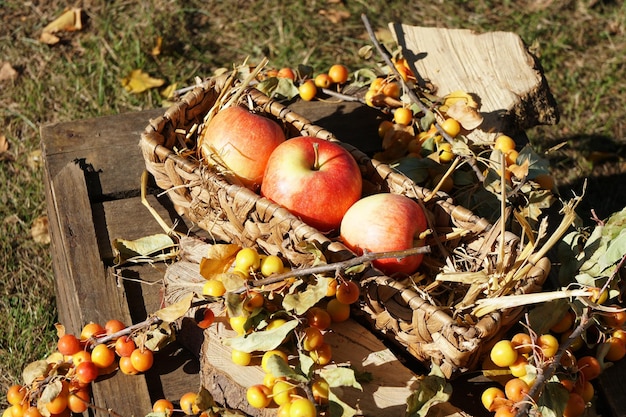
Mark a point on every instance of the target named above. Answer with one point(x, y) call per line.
point(351, 343)
point(496, 67)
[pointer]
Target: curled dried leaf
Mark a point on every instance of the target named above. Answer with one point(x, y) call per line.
point(69, 21)
point(39, 230)
point(467, 115)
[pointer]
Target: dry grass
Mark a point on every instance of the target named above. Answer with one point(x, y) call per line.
point(581, 45)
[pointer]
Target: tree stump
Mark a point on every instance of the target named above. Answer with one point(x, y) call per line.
point(496, 67)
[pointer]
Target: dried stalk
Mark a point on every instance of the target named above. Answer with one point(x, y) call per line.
point(489, 305)
point(144, 186)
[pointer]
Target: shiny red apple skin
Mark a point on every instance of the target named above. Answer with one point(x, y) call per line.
point(385, 222)
point(243, 142)
point(319, 196)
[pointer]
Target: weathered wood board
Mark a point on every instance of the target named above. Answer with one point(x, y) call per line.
point(495, 66)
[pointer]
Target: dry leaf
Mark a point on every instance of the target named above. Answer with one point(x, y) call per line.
point(168, 92)
point(465, 114)
point(335, 16)
point(4, 149)
point(462, 107)
point(219, 259)
point(7, 72)
point(39, 230)
point(520, 171)
point(69, 21)
point(156, 50)
point(35, 160)
point(138, 81)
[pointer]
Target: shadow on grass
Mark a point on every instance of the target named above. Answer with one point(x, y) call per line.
point(598, 160)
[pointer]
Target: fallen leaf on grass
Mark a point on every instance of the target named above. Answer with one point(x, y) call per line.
point(35, 160)
point(138, 81)
point(7, 72)
point(39, 230)
point(69, 21)
point(156, 50)
point(335, 16)
point(4, 149)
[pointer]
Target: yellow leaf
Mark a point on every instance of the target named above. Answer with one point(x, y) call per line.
point(459, 95)
point(69, 21)
point(168, 92)
point(175, 311)
point(156, 50)
point(218, 260)
point(138, 81)
point(520, 171)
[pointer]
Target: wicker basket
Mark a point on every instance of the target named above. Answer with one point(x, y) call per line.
point(398, 309)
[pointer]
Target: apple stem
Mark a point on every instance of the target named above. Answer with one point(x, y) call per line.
point(336, 266)
point(316, 151)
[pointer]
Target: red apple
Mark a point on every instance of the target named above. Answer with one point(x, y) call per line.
point(385, 222)
point(242, 142)
point(315, 179)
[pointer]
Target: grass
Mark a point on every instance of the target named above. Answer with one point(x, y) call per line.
point(581, 45)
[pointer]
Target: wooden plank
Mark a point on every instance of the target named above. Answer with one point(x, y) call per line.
point(495, 66)
point(84, 293)
point(106, 146)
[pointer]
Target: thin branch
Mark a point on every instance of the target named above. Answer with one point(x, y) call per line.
point(338, 266)
point(543, 377)
point(152, 320)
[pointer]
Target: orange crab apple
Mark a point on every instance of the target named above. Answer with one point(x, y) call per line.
point(393, 222)
point(242, 142)
point(315, 179)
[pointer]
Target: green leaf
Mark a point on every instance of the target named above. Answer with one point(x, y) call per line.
point(306, 364)
point(278, 88)
point(278, 367)
point(158, 414)
point(362, 77)
point(340, 377)
point(204, 400)
point(264, 340)
point(427, 120)
point(546, 315)
point(308, 246)
point(175, 311)
point(536, 164)
point(417, 169)
point(302, 301)
point(614, 253)
point(234, 304)
point(553, 399)
point(433, 389)
point(144, 249)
